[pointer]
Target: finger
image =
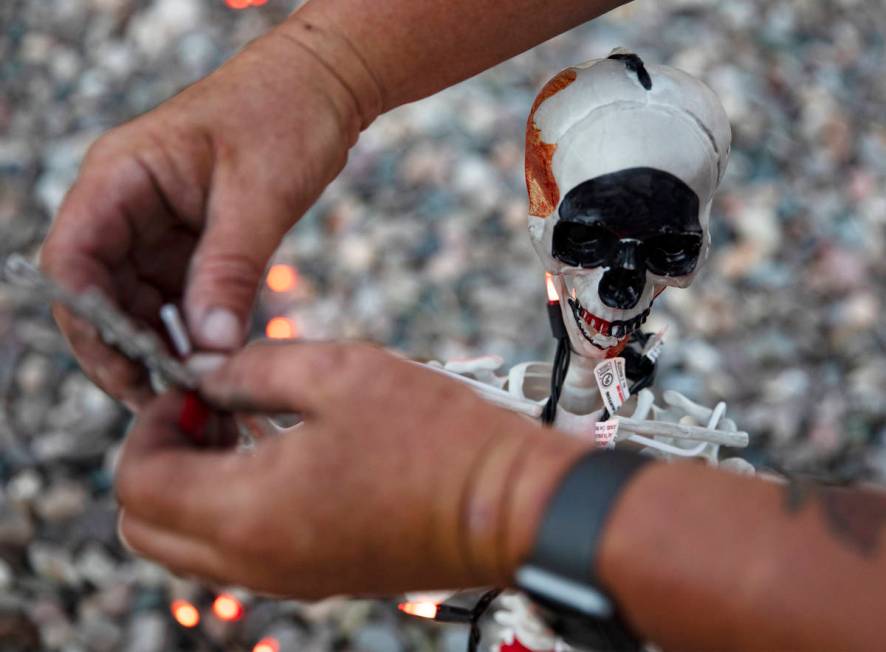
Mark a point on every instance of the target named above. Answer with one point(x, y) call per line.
point(89, 240)
point(244, 227)
point(108, 369)
point(67, 258)
point(183, 554)
point(113, 204)
point(275, 377)
point(140, 299)
point(163, 262)
point(163, 479)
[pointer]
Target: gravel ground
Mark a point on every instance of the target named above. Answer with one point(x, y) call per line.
point(430, 255)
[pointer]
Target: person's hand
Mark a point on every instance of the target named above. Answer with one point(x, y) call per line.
point(398, 479)
point(188, 202)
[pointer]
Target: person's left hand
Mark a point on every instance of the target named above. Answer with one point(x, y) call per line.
point(398, 479)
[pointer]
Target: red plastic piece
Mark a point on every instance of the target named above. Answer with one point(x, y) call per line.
point(194, 418)
point(516, 646)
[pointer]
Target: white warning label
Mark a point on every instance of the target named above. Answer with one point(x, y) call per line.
point(612, 383)
point(605, 432)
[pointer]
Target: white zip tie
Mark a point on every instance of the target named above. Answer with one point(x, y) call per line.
point(175, 326)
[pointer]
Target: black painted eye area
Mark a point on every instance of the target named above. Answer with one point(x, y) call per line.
point(582, 245)
point(672, 254)
point(634, 219)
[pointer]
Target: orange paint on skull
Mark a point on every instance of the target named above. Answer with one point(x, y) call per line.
point(540, 182)
point(616, 350)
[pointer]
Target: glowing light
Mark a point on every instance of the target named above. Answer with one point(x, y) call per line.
point(228, 608)
point(243, 4)
point(281, 278)
point(553, 295)
point(185, 613)
point(267, 644)
point(420, 609)
point(281, 328)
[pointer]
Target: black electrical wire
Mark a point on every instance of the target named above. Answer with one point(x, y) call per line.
point(477, 612)
point(633, 389)
point(641, 369)
point(558, 377)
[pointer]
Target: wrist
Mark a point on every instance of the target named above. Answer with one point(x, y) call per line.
point(562, 571)
point(355, 87)
point(508, 492)
point(550, 459)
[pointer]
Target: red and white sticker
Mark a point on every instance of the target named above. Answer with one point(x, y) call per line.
point(612, 383)
point(605, 432)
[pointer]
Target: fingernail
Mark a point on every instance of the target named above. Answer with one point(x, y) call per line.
point(205, 363)
point(220, 329)
point(122, 537)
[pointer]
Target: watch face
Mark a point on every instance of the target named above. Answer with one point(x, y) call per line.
point(586, 632)
point(579, 613)
point(553, 588)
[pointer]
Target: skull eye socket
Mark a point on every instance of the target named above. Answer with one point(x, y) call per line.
point(584, 245)
point(672, 254)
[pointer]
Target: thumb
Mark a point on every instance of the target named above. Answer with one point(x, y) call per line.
point(244, 227)
point(277, 377)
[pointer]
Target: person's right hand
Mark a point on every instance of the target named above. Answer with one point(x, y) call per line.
point(187, 203)
point(397, 479)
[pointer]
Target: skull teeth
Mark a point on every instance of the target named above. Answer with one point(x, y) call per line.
point(618, 328)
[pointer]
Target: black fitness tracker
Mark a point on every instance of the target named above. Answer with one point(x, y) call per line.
point(559, 575)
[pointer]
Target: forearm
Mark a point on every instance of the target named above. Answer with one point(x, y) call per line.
point(395, 51)
point(701, 559)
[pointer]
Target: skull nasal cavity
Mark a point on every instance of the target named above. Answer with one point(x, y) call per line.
point(622, 288)
point(628, 255)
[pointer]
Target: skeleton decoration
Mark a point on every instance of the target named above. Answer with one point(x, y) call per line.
point(622, 162)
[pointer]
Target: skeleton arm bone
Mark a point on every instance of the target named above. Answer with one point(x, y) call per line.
point(628, 426)
point(667, 448)
point(492, 394)
point(682, 431)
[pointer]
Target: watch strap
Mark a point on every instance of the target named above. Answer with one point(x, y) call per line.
point(573, 523)
point(560, 574)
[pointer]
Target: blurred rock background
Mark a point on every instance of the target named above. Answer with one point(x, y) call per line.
point(421, 245)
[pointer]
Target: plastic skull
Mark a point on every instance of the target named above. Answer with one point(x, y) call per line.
point(622, 161)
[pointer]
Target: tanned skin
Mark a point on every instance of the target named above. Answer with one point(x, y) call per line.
point(706, 560)
point(399, 479)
